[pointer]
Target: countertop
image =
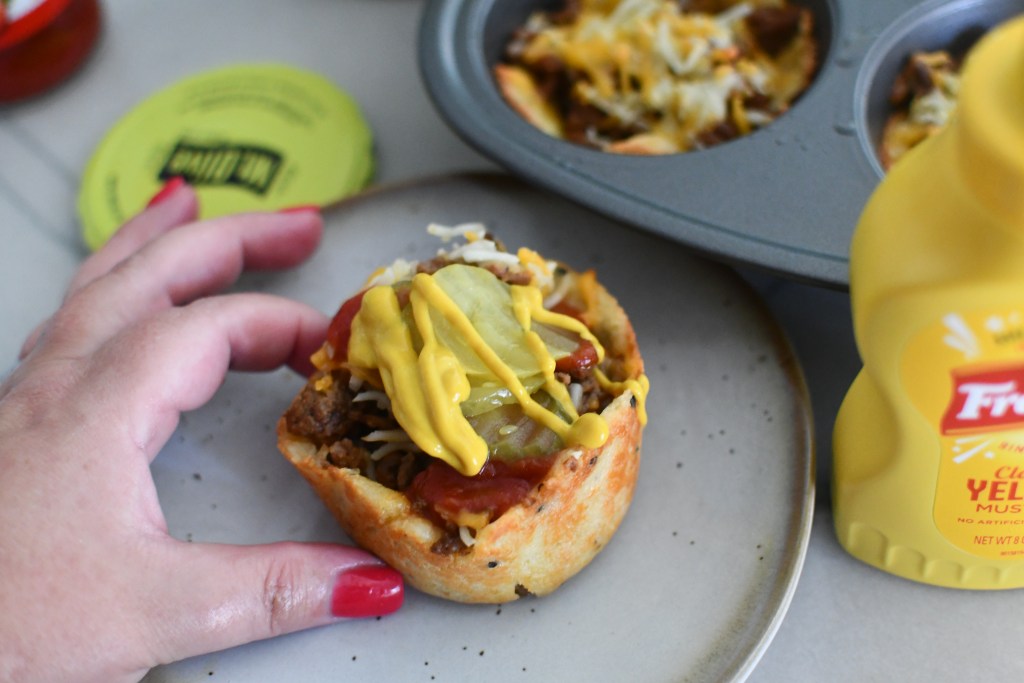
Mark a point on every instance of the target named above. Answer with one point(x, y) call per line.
point(847, 621)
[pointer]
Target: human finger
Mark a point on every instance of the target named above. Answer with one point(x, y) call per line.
point(174, 362)
point(193, 261)
point(213, 597)
point(32, 339)
point(175, 205)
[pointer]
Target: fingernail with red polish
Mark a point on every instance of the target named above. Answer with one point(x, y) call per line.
point(367, 592)
point(301, 209)
point(169, 188)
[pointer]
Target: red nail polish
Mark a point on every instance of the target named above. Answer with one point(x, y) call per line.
point(367, 592)
point(300, 209)
point(169, 188)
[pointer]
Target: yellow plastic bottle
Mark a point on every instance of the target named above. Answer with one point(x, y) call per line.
point(928, 473)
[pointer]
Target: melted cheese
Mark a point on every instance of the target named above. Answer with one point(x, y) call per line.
point(654, 65)
point(927, 113)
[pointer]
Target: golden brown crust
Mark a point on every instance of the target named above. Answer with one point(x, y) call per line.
point(644, 144)
point(522, 94)
point(898, 136)
point(535, 546)
point(797, 64)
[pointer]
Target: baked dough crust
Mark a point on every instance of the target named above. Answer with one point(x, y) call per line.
point(522, 95)
point(536, 545)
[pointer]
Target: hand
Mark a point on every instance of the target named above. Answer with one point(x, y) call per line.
point(93, 587)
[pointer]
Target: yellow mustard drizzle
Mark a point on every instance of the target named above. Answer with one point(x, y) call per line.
point(527, 305)
point(589, 430)
point(427, 388)
point(639, 387)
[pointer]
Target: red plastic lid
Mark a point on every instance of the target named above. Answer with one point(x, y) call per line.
point(31, 23)
point(42, 42)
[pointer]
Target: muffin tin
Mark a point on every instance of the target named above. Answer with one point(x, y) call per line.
point(785, 198)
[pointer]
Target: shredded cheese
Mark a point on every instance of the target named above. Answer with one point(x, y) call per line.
point(466, 536)
point(387, 435)
point(468, 231)
point(324, 383)
point(389, 448)
point(666, 71)
point(558, 293)
point(576, 394)
point(389, 275)
point(481, 251)
point(393, 440)
point(375, 395)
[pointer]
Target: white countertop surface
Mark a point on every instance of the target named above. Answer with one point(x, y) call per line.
point(847, 621)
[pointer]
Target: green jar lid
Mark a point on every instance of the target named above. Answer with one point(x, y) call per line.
point(254, 137)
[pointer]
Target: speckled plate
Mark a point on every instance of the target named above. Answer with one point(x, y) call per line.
point(699, 577)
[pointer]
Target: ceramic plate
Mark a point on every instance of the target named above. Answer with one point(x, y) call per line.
point(701, 572)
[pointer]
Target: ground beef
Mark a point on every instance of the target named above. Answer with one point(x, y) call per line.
point(705, 6)
point(568, 14)
point(327, 416)
point(723, 131)
point(321, 416)
point(774, 28)
point(594, 398)
point(346, 454)
point(333, 421)
point(450, 542)
point(509, 275)
point(583, 121)
point(397, 470)
point(916, 79)
point(433, 265)
point(554, 79)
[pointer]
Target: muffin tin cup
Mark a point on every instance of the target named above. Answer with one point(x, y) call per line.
point(785, 198)
point(948, 25)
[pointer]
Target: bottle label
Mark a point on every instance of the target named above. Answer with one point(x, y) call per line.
point(965, 373)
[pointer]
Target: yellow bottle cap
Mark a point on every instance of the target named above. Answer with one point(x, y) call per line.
point(255, 137)
point(990, 130)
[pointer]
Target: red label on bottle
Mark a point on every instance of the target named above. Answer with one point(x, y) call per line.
point(988, 400)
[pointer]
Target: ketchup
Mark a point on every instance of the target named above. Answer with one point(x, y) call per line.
point(45, 46)
point(583, 358)
point(568, 309)
point(496, 488)
point(340, 330)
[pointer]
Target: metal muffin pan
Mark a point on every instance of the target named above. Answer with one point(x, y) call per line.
point(785, 198)
point(951, 26)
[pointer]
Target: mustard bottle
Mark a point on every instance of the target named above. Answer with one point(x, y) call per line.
point(928, 447)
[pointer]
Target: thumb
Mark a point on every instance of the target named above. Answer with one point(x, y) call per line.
point(220, 596)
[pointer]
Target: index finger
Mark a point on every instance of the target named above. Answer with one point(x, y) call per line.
point(191, 262)
point(178, 206)
point(175, 361)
